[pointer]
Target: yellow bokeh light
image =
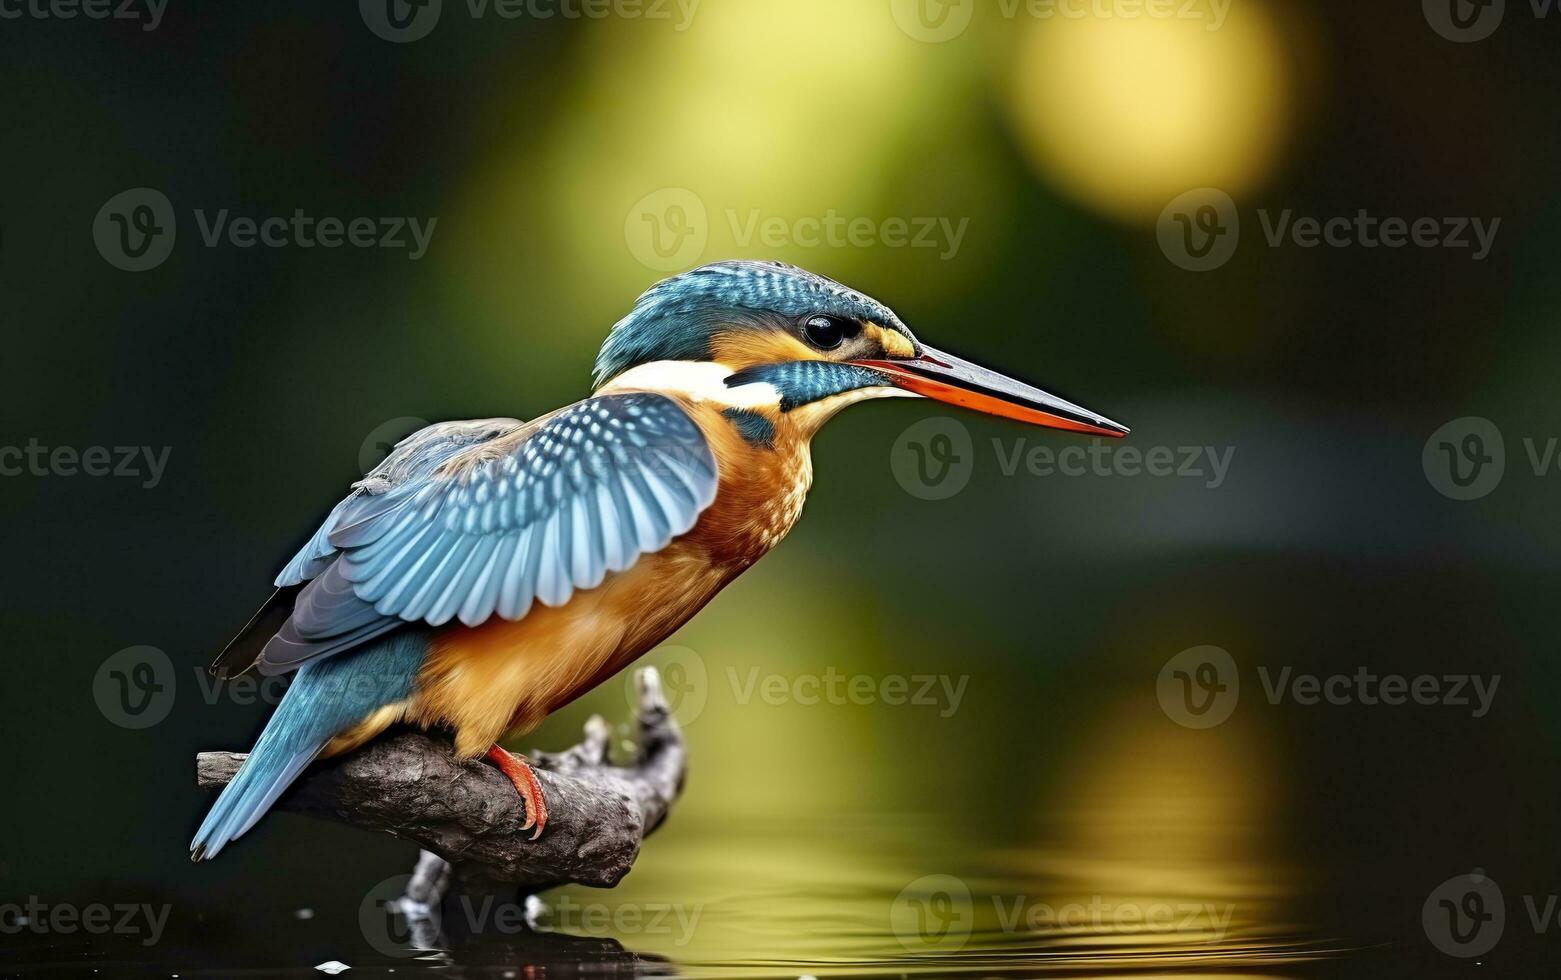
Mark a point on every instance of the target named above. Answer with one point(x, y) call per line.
point(1125, 113)
point(765, 112)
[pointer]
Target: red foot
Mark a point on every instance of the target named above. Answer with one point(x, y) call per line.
point(526, 785)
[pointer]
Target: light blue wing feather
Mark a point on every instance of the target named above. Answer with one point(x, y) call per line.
point(412, 457)
point(495, 517)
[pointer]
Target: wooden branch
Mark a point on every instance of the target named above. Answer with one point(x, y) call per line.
point(409, 785)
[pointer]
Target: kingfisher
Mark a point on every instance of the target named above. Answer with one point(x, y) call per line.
point(489, 572)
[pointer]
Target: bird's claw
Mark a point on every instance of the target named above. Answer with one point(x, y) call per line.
point(526, 784)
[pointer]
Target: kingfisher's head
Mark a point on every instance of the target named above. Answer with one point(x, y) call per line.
point(766, 336)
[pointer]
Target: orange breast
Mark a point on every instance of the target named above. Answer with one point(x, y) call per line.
point(762, 490)
point(505, 676)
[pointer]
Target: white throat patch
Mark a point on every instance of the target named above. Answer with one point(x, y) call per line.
point(700, 381)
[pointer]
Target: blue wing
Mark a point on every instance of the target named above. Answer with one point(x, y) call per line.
point(474, 519)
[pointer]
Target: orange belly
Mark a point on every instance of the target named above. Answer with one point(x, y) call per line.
point(506, 676)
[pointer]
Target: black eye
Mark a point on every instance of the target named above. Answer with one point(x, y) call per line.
point(825, 332)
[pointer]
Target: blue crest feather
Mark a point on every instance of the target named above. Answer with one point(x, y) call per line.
point(675, 319)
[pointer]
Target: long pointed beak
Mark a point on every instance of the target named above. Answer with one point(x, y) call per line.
point(958, 382)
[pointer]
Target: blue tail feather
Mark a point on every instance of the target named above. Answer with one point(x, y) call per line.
point(327, 697)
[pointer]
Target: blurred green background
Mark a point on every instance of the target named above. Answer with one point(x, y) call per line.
point(551, 150)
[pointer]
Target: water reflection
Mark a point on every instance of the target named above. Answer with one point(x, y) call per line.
point(1151, 853)
point(852, 909)
point(1149, 849)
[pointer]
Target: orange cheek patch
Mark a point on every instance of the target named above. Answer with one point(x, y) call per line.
point(739, 349)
